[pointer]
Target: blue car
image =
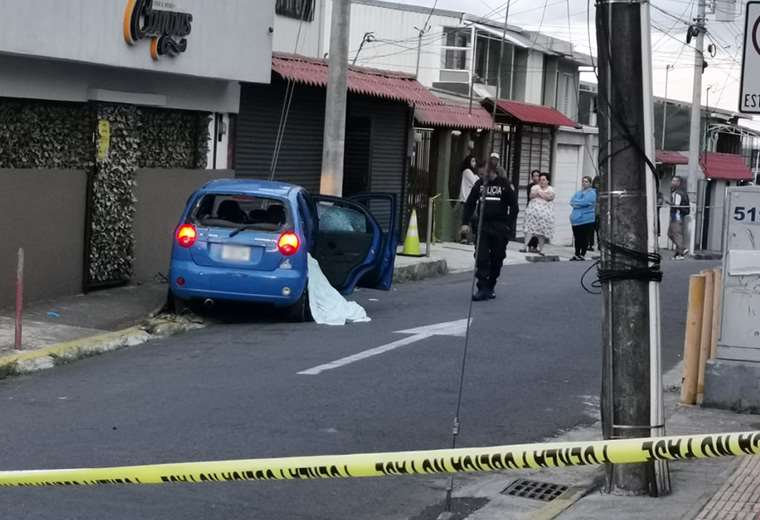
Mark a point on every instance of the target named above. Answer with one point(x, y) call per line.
point(248, 240)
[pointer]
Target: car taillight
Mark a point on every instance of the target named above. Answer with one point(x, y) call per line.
point(288, 243)
point(187, 235)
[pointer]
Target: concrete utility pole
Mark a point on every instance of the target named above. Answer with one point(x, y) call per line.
point(698, 30)
point(626, 136)
point(665, 106)
point(333, 145)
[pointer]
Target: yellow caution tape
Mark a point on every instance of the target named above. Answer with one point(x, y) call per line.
point(497, 458)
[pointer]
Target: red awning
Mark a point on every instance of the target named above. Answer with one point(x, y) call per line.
point(725, 167)
point(448, 115)
point(531, 114)
point(361, 80)
point(671, 158)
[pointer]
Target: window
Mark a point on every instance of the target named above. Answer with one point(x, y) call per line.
point(218, 210)
point(456, 50)
point(298, 9)
point(334, 218)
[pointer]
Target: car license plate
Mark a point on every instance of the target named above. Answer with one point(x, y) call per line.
point(236, 253)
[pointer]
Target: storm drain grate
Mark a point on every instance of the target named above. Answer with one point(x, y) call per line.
point(535, 490)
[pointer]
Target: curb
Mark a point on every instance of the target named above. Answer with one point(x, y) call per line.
point(420, 271)
point(22, 362)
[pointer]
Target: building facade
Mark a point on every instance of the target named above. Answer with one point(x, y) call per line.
point(123, 100)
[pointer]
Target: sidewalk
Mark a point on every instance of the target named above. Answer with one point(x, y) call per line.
point(78, 316)
point(706, 489)
point(452, 258)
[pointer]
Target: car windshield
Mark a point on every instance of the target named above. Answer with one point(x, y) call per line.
point(236, 211)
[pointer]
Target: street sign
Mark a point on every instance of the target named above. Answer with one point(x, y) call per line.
point(749, 94)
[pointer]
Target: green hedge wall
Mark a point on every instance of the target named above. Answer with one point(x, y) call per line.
point(35, 134)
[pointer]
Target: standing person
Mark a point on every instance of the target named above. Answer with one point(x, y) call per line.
point(539, 217)
point(583, 218)
point(469, 178)
point(494, 166)
point(494, 196)
point(530, 246)
point(679, 209)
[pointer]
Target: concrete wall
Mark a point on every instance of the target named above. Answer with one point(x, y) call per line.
point(43, 212)
point(311, 41)
point(394, 25)
point(161, 197)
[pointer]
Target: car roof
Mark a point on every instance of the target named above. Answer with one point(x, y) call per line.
point(250, 187)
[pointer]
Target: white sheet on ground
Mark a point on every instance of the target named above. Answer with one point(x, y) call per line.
point(328, 306)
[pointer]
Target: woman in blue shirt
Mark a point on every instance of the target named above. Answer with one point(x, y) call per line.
point(583, 218)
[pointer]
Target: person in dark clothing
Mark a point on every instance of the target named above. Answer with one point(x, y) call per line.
point(495, 197)
point(532, 245)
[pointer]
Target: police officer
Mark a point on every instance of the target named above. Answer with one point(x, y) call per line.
point(494, 195)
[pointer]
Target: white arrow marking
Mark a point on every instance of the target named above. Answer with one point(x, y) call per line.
point(448, 328)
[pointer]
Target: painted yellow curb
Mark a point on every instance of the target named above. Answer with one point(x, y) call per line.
point(100, 343)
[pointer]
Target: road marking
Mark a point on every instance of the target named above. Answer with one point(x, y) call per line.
point(447, 328)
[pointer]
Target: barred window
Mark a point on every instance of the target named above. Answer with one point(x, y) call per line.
point(298, 9)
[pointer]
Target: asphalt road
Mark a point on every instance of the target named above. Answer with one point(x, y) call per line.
point(233, 390)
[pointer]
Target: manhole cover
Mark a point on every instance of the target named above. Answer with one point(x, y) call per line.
point(535, 490)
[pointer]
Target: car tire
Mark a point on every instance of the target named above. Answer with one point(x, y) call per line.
point(300, 312)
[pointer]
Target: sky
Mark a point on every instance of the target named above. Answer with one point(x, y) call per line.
point(670, 20)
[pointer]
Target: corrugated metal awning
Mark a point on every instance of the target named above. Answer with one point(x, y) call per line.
point(519, 41)
point(369, 82)
point(449, 115)
point(725, 167)
point(531, 114)
point(670, 158)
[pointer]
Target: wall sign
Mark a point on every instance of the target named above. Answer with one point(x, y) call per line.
point(166, 29)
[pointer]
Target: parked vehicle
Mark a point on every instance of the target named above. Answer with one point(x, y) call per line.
point(248, 240)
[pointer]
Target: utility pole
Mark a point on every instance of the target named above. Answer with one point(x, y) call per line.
point(665, 106)
point(697, 30)
point(630, 333)
point(334, 141)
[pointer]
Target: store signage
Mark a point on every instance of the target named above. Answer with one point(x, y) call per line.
point(167, 29)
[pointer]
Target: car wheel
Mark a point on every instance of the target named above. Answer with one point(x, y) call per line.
point(300, 312)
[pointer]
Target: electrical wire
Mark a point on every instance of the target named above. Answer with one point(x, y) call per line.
point(290, 87)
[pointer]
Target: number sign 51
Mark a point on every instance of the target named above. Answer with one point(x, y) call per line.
point(748, 215)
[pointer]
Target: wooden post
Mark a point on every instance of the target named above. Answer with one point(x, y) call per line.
point(691, 339)
point(705, 338)
point(717, 298)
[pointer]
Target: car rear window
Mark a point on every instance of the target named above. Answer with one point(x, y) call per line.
point(233, 211)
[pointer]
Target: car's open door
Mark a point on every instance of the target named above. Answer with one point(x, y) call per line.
point(348, 241)
point(384, 209)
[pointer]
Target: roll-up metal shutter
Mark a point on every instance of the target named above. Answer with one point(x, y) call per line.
point(300, 159)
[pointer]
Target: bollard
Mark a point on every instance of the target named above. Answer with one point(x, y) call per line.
point(19, 298)
point(691, 339)
point(717, 296)
point(705, 337)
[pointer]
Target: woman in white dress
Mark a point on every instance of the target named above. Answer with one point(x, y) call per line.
point(539, 217)
point(469, 178)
